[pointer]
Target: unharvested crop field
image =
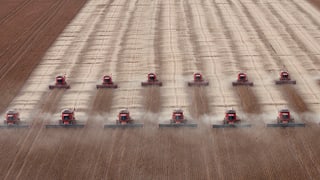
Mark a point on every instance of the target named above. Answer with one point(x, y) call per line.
point(86, 39)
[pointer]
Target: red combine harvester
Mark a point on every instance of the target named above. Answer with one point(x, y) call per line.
point(124, 121)
point(12, 120)
point(198, 80)
point(107, 83)
point(178, 120)
point(152, 80)
point(284, 119)
point(67, 120)
point(242, 80)
point(231, 120)
point(60, 83)
point(285, 78)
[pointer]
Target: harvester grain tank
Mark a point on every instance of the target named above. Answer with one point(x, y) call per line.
point(124, 121)
point(178, 120)
point(231, 120)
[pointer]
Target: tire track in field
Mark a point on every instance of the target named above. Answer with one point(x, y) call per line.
point(307, 43)
point(89, 134)
point(94, 137)
point(55, 104)
point(152, 95)
point(263, 38)
point(104, 166)
point(119, 154)
point(307, 139)
point(303, 154)
point(132, 62)
point(14, 12)
point(20, 160)
point(30, 143)
point(174, 95)
point(289, 89)
point(10, 141)
point(224, 142)
point(123, 30)
point(304, 10)
point(175, 67)
point(273, 16)
point(102, 103)
point(297, 99)
point(250, 103)
point(303, 48)
point(199, 104)
point(35, 29)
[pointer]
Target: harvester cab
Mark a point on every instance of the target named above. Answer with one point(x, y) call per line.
point(124, 117)
point(242, 80)
point(284, 75)
point(285, 78)
point(284, 119)
point(231, 120)
point(107, 80)
point(12, 119)
point(231, 117)
point(67, 117)
point(152, 77)
point(67, 120)
point(178, 120)
point(60, 83)
point(178, 117)
point(242, 77)
point(197, 77)
point(107, 83)
point(124, 121)
point(198, 80)
point(152, 80)
point(284, 116)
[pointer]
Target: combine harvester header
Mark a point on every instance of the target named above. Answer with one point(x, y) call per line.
point(178, 120)
point(231, 120)
point(12, 120)
point(124, 121)
point(284, 119)
point(67, 120)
